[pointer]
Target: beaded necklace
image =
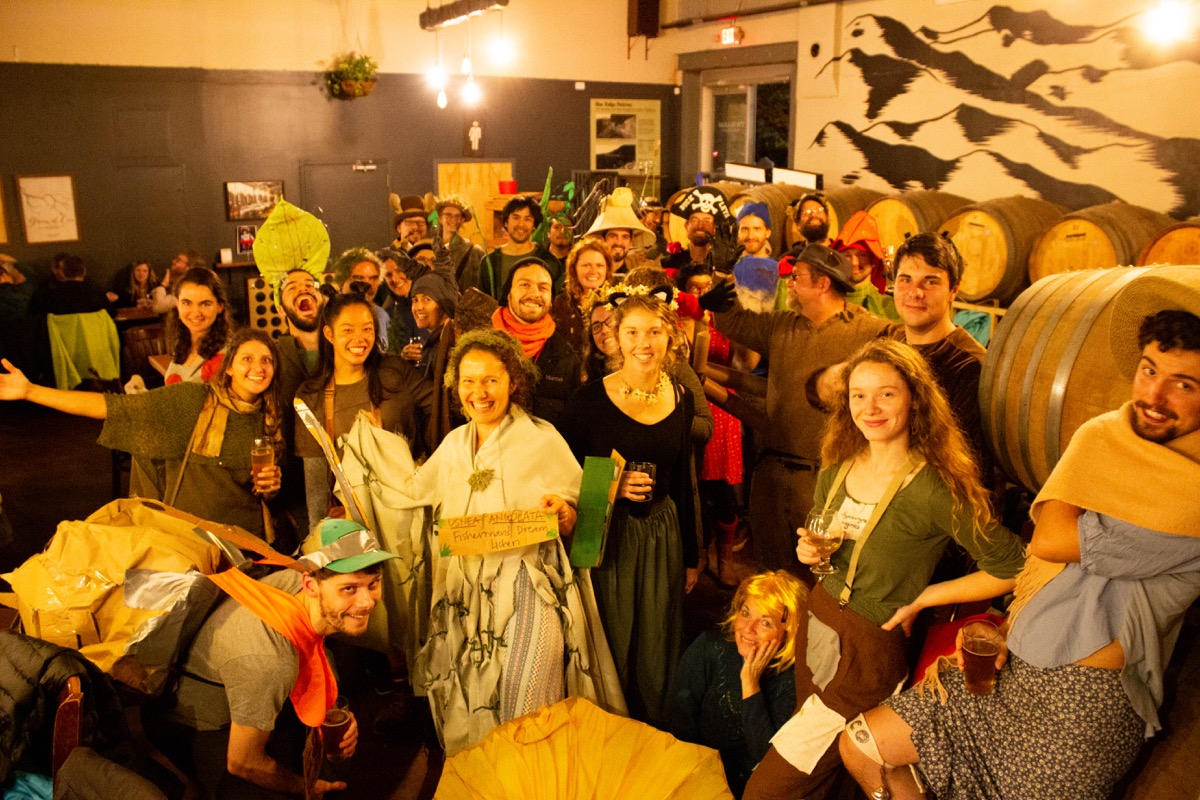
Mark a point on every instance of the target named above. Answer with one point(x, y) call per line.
point(650, 397)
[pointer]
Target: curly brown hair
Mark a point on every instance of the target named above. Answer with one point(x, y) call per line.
point(933, 433)
point(523, 374)
point(592, 243)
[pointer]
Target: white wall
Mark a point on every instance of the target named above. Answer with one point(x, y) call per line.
point(563, 39)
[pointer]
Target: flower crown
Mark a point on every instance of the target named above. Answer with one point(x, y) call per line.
point(617, 293)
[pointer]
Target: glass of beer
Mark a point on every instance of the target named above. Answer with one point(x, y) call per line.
point(980, 645)
point(334, 728)
point(825, 536)
point(646, 468)
point(262, 456)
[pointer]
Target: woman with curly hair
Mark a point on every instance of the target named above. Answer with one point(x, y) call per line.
point(589, 266)
point(510, 630)
point(197, 327)
point(200, 433)
point(651, 551)
point(735, 686)
point(901, 482)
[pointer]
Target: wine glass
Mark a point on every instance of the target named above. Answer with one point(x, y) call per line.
point(825, 536)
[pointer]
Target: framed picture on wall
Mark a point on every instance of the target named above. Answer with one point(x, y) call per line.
point(245, 238)
point(251, 199)
point(48, 208)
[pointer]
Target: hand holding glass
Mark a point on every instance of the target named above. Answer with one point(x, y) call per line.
point(825, 536)
point(650, 471)
point(262, 455)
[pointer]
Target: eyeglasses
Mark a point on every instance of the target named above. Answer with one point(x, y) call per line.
point(812, 212)
point(600, 327)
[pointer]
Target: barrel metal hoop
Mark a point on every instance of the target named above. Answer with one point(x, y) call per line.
point(1035, 361)
point(1066, 364)
point(1012, 327)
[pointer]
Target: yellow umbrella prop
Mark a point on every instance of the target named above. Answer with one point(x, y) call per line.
point(575, 749)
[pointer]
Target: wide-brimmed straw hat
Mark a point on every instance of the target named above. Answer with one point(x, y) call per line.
point(1159, 289)
point(457, 201)
point(618, 214)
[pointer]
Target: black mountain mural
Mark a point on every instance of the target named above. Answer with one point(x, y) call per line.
point(894, 61)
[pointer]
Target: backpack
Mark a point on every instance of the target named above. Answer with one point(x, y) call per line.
point(126, 586)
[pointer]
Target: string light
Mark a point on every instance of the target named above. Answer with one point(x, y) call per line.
point(471, 93)
point(500, 48)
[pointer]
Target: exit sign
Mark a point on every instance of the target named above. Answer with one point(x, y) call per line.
point(731, 35)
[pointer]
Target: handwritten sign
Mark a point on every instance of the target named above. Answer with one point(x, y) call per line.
point(502, 530)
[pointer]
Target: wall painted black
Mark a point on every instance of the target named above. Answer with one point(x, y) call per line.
point(150, 149)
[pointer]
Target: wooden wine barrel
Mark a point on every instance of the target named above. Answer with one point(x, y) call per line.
point(844, 202)
point(1178, 244)
point(674, 225)
point(900, 216)
point(777, 197)
point(1098, 237)
point(1049, 369)
point(994, 238)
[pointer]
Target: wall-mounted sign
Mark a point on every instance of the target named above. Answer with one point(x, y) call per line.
point(626, 136)
point(48, 208)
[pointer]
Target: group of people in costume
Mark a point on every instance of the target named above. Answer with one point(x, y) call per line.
point(433, 380)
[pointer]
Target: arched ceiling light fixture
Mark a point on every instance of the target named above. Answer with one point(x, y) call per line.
point(457, 12)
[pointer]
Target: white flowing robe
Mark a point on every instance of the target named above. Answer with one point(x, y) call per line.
point(463, 664)
point(378, 466)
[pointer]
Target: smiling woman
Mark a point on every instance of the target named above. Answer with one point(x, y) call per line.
point(197, 327)
point(518, 627)
point(895, 469)
point(736, 687)
point(353, 376)
point(651, 552)
point(200, 435)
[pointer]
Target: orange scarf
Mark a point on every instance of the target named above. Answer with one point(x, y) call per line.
point(316, 688)
point(531, 335)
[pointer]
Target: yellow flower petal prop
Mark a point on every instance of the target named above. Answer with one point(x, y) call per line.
point(291, 238)
point(575, 749)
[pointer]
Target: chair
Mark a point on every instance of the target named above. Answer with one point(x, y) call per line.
point(141, 342)
point(66, 723)
point(81, 343)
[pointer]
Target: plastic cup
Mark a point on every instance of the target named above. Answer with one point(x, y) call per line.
point(981, 645)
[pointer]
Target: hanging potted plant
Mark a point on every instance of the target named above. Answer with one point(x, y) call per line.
point(351, 75)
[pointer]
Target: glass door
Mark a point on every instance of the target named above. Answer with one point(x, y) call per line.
point(746, 115)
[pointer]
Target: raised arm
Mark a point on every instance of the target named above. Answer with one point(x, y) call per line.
point(15, 386)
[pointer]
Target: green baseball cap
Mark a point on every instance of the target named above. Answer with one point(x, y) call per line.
point(346, 546)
